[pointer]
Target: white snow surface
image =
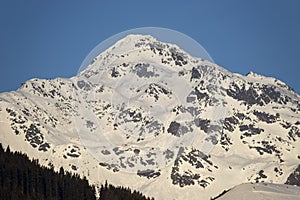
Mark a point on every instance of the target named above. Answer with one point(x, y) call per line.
point(147, 115)
point(262, 191)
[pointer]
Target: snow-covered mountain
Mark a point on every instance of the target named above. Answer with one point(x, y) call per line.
point(146, 114)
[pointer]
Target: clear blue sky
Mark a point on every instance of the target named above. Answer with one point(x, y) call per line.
point(48, 39)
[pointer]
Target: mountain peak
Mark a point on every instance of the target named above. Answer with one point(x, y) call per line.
point(139, 49)
point(132, 40)
point(253, 74)
point(139, 37)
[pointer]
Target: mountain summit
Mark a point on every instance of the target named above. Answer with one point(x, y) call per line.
point(146, 114)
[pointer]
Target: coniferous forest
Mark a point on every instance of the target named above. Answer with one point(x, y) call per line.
point(22, 178)
point(110, 192)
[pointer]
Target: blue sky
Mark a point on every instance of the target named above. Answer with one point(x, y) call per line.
point(48, 39)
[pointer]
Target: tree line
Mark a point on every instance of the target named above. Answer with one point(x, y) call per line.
point(25, 179)
point(110, 192)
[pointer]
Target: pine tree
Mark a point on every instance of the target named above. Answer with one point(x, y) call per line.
point(21, 178)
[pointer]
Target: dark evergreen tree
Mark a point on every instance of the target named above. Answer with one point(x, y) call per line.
point(110, 192)
point(21, 178)
point(24, 179)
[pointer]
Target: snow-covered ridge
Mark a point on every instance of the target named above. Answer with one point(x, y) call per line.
point(253, 77)
point(145, 114)
point(262, 191)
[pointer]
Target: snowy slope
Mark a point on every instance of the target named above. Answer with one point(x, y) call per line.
point(145, 114)
point(262, 191)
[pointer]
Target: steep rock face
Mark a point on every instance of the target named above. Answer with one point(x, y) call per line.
point(146, 114)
